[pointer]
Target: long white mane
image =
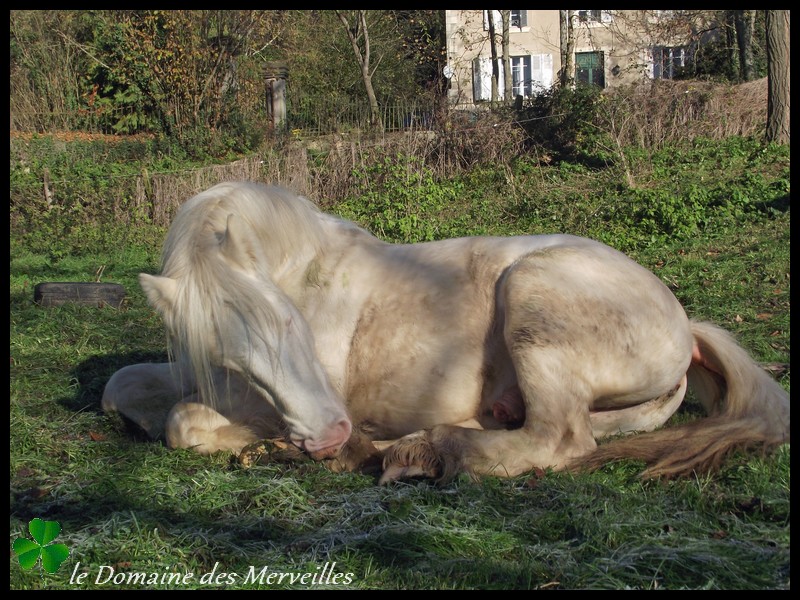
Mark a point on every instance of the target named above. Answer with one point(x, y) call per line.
point(272, 226)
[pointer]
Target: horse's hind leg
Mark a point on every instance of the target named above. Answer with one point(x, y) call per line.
point(541, 341)
point(574, 342)
point(557, 429)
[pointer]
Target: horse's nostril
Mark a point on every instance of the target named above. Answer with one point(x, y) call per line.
point(330, 443)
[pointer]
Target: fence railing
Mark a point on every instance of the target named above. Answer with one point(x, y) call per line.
point(305, 117)
point(318, 119)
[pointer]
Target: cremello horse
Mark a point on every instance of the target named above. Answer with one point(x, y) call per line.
point(486, 355)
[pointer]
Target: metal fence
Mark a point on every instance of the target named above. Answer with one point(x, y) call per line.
point(306, 117)
point(319, 119)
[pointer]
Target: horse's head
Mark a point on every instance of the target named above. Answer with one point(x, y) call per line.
point(225, 311)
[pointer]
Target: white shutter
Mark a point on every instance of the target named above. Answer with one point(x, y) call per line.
point(536, 68)
point(605, 16)
point(652, 71)
point(541, 71)
point(547, 70)
point(482, 78)
point(498, 20)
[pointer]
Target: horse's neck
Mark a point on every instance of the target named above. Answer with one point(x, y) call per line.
point(297, 273)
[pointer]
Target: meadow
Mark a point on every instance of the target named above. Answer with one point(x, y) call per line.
point(710, 218)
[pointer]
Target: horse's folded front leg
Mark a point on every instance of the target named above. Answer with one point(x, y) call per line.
point(194, 425)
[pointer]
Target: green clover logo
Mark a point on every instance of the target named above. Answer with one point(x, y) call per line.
point(29, 552)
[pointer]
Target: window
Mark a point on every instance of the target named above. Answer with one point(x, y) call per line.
point(593, 16)
point(668, 62)
point(519, 19)
point(529, 74)
point(589, 16)
point(589, 68)
point(521, 76)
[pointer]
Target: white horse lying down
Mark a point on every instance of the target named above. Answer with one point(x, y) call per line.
point(487, 355)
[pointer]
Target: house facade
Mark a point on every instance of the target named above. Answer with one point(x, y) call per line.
point(609, 48)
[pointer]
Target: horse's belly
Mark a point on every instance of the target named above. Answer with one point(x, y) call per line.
point(395, 409)
point(405, 378)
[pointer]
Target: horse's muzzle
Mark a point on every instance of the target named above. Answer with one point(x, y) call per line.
point(328, 445)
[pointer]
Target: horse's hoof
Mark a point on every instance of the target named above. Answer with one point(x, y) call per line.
point(270, 451)
point(411, 456)
point(396, 473)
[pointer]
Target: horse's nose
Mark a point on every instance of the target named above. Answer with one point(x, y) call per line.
point(329, 443)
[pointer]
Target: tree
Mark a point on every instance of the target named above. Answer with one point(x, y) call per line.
point(493, 51)
point(406, 56)
point(188, 66)
point(744, 21)
point(508, 79)
point(777, 24)
point(359, 36)
point(567, 41)
point(48, 64)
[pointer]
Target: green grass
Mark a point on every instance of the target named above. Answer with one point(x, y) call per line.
point(136, 506)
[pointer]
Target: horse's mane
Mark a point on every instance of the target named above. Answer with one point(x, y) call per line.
point(284, 224)
point(278, 225)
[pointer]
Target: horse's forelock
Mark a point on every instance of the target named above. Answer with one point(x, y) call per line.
point(205, 304)
point(210, 291)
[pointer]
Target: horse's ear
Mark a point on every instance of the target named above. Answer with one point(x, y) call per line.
point(160, 291)
point(236, 246)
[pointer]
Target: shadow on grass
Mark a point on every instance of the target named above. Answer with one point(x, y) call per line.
point(93, 373)
point(780, 204)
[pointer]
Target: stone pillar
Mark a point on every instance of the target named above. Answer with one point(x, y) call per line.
point(276, 75)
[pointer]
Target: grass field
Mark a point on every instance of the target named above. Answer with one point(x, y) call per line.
point(132, 512)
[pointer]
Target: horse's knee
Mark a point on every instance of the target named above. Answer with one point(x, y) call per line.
point(204, 430)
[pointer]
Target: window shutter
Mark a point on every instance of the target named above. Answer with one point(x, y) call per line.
point(605, 16)
point(523, 18)
point(536, 70)
point(651, 62)
point(498, 20)
point(482, 78)
point(541, 72)
point(547, 70)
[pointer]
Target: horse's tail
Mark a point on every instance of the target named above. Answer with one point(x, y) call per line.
point(747, 409)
